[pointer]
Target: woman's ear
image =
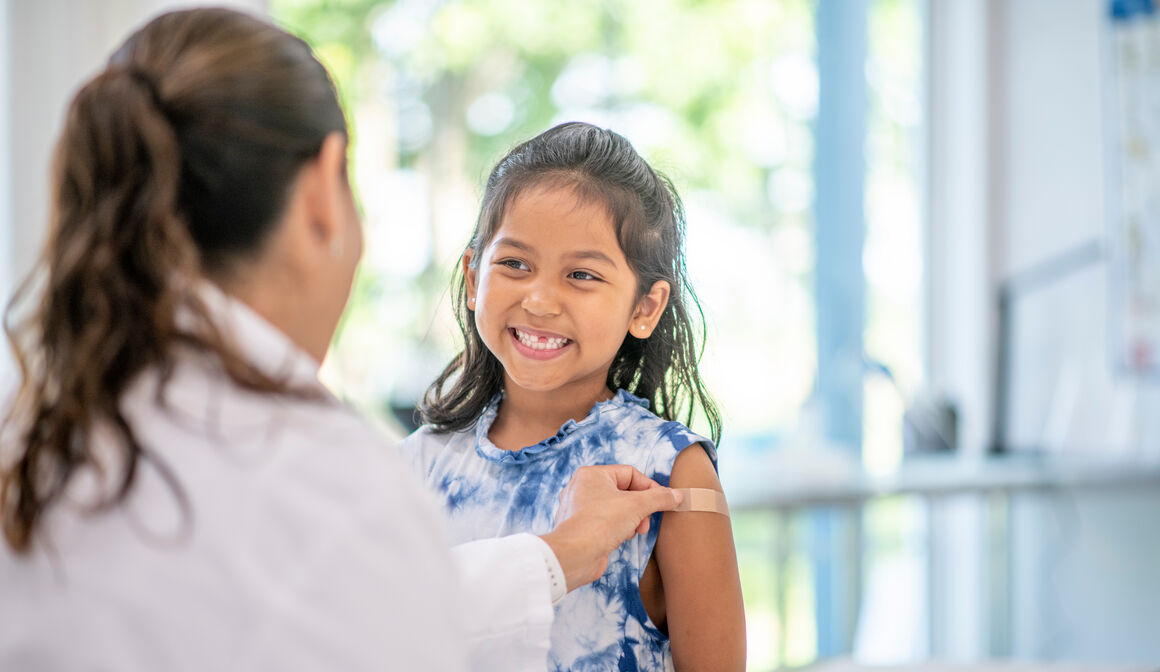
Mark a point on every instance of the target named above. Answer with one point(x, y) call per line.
point(315, 228)
point(470, 277)
point(330, 193)
point(649, 310)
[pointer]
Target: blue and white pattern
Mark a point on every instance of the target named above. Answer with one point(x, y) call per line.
point(491, 492)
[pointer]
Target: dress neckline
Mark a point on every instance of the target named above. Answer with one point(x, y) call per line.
point(488, 450)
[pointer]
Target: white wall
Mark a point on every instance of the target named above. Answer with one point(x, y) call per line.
point(1016, 178)
point(52, 47)
point(5, 152)
point(1064, 397)
point(1084, 579)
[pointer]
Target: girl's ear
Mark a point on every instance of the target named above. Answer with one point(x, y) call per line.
point(649, 309)
point(469, 277)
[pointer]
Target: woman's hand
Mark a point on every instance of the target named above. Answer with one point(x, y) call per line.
point(600, 508)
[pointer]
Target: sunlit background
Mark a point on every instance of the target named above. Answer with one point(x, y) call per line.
point(723, 98)
point(440, 90)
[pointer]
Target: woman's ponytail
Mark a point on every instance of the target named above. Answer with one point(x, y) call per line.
point(174, 161)
point(115, 244)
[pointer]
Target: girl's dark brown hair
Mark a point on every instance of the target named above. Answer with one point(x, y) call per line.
point(602, 167)
point(174, 164)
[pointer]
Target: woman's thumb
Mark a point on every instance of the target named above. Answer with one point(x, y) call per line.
point(657, 499)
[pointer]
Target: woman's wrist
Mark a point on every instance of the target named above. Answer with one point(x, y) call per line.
point(573, 560)
point(557, 579)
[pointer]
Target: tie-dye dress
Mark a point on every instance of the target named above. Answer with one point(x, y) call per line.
point(491, 492)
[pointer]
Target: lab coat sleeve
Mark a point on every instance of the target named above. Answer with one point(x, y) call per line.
point(507, 605)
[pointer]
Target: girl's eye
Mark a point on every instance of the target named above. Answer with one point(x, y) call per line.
point(515, 264)
point(582, 275)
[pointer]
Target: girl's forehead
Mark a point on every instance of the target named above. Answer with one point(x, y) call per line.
point(558, 212)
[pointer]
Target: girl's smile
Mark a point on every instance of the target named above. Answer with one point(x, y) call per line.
point(538, 345)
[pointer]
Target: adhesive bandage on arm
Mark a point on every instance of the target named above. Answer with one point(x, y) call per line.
point(702, 499)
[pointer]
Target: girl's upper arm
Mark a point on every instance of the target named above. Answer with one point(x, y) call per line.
point(698, 567)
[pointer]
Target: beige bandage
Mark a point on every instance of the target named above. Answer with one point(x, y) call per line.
point(702, 499)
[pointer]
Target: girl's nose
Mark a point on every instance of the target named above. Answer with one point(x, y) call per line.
point(541, 301)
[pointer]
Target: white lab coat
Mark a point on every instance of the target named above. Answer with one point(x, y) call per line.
point(295, 539)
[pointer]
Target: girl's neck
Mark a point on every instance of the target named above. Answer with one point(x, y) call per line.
point(525, 417)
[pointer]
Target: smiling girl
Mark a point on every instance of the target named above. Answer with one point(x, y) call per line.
point(579, 350)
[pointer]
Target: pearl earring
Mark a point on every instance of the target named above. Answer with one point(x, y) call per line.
point(642, 327)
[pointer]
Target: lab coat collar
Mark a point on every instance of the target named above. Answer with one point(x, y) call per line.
point(250, 335)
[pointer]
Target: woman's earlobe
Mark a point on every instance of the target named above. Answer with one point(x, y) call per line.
point(325, 187)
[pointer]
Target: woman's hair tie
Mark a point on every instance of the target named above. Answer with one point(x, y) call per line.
point(149, 83)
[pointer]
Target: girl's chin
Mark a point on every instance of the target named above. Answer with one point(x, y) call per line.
point(534, 386)
point(573, 388)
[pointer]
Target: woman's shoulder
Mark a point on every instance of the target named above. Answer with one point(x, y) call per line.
point(425, 445)
point(428, 437)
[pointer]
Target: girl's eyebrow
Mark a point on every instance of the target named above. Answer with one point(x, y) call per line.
point(595, 255)
point(507, 241)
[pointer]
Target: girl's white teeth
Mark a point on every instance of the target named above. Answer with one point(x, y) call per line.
point(539, 342)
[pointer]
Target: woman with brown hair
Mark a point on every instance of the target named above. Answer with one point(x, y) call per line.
point(177, 489)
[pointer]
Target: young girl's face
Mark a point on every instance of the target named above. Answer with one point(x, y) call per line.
point(554, 295)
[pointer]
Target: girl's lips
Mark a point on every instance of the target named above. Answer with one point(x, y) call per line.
point(538, 346)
